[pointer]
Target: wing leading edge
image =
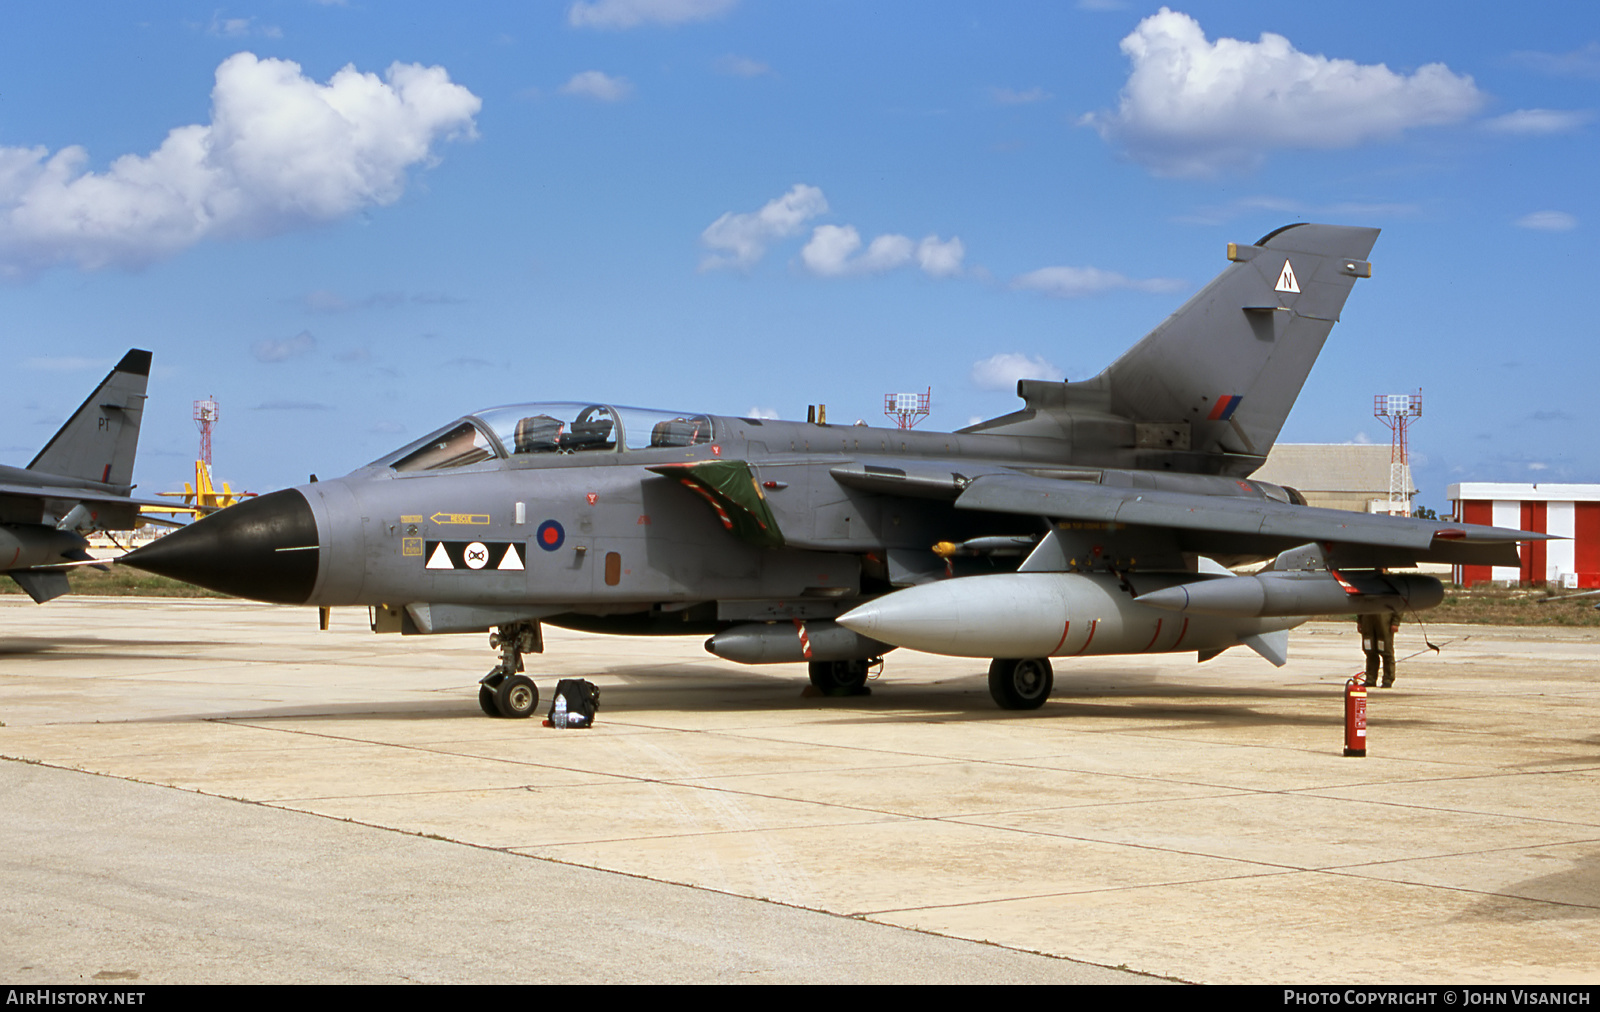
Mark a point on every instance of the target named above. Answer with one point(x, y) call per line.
point(1208, 524)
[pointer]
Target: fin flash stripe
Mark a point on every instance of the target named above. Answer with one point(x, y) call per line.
point(1226, 405)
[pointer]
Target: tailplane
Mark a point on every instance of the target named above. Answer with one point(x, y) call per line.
point(99, 441)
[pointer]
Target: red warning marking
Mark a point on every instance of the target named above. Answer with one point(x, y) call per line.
point(1153, 636)
point(1092, 627)
point(1181, 633)
point(1064, 627)
point(722, 514)
point(805, 641)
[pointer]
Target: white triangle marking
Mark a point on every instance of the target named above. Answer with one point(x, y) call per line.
point(1286, 281)
point(440, 559)
point(512, 559)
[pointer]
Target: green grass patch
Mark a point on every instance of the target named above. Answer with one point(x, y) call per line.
point(120, 581)
point(1513, 606)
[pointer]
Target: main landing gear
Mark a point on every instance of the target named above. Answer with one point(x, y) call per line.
point(1020, 684)
point(504, 691)
point(842, 678)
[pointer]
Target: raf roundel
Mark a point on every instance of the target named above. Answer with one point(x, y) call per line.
point(550, 535)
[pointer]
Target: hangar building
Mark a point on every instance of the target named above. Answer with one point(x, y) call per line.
point(1570, 511)
point(1341, 476)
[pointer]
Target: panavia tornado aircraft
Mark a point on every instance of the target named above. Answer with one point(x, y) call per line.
point(80, 482)
point(1095, 520)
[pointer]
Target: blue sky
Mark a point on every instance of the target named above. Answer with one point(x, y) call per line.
point(353, 222)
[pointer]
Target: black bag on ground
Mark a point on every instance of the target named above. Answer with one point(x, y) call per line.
point(574, 703)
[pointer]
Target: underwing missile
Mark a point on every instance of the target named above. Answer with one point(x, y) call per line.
point(1274, 594)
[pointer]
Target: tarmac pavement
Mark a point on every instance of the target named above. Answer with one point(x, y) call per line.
point(207, 790)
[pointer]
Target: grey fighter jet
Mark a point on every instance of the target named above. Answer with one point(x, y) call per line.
point(80, 482)
point(1095, 520)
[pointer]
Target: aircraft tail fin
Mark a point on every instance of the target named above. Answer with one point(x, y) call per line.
point(1223, 371)
point(99, 441)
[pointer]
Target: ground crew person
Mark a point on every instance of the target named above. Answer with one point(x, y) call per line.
point(1377, 641)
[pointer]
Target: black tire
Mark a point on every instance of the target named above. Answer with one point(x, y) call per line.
point(839, 678)
point(516, 697)
point(486, 687)
point(1020, 684)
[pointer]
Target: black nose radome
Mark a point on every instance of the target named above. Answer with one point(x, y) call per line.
point(263, 548)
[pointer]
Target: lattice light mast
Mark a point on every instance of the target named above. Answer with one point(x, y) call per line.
point(908, 409)
point(205, 416)
point(1397, 411)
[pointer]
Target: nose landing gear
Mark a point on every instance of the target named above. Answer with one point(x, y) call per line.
point(504, 691)
point(843, 678)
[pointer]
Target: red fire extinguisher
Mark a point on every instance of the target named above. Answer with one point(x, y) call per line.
point(1355, 717)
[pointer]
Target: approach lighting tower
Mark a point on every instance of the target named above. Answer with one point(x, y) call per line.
point(908, 409)
point(1396, 411)
point(205, 416)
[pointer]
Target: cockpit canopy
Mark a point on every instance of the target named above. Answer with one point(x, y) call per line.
point(517, 429)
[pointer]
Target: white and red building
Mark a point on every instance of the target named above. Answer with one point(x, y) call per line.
point(1569, 511)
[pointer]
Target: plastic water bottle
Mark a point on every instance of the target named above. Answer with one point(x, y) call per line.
point(558, 713)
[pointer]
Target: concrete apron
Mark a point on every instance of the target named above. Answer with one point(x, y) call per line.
point(1190, 821)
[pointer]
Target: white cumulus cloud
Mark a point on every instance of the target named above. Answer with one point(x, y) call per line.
point(835, 251)
point(1192, 107)
point(941, 259)
point(597, 85)
point(742, 239)
point(1001, 372)
point(1076, 282)
point(1536, 122)
point(832, 252)
point(281, 152)
point(633, 13)
point(1548, 221)
point(1583, 62)
point(238, 27)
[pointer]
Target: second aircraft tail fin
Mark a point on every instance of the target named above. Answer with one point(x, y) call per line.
point(99, 441)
